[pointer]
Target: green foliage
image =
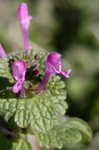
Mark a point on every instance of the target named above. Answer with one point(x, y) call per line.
point(68, 131)
point(7, 108)
point(40, 111)
point(81, 126)
point(21, 144)
point(43, 113)
point(58, 137)
point(5, 70)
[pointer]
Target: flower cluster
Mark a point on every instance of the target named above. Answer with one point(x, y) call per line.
point(19, 67)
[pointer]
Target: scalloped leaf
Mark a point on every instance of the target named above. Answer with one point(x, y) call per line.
point(68, 131)
point(58, 137)
point(41, 110)
point(82, 126)
point(21, 144)
point(5, 70)
point(7, 108)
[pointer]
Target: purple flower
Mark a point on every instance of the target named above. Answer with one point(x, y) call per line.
point(22, 14)
point(18, 72)
point(53, 66)
point(2, 52)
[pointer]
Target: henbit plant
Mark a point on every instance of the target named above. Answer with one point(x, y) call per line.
point(33, 98)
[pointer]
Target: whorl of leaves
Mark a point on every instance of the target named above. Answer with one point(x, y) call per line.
point(42, 114)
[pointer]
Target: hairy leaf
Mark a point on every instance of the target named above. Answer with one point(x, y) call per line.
point(5, 70)
point(7, 108)
point(68, 131)
point(41, 110)
point(58, 137)
point(82, 126)
point(21, 144)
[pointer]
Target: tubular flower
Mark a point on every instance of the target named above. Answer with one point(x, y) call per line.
point(53, 66)
point(2, 52)
point(22, 14)
point(18, 72)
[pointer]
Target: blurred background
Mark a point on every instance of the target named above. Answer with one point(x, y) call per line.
point(70, 27)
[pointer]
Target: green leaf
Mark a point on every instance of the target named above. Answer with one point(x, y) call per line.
point(21, 144)
point(82, 126)
point(58, 137)
point(41, 110)
point(6, 79)
point(23, 112)
point(7, 108)
point(5, 69)
point(69, 131)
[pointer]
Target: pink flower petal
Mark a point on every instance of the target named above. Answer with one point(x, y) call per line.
point(17, 87)
point(25, 19)
point(53, 63)
point(53, 66)
point(18, 72)
point(66, 73)
point(2, 52)
point(22, 11)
